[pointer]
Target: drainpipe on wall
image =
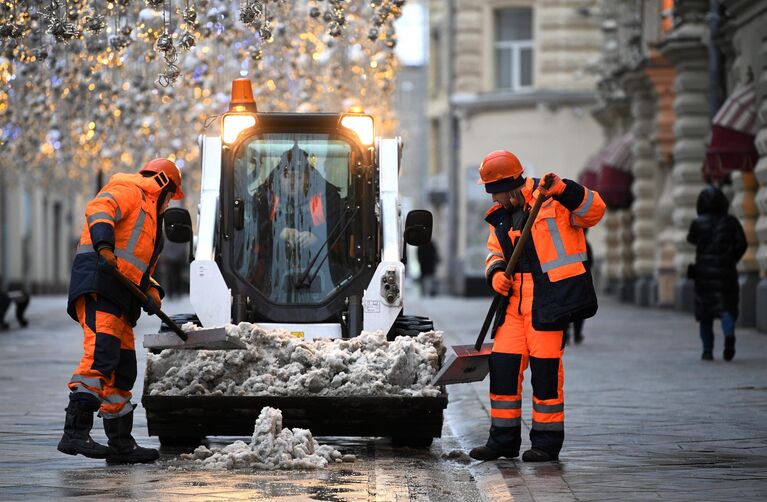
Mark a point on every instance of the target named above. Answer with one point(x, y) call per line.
point(716, 75)
point(455, 273)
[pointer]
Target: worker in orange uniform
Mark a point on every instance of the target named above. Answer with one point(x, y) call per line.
point(122, 231)
point(550, 287)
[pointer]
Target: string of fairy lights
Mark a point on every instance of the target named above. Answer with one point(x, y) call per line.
point(104, 85)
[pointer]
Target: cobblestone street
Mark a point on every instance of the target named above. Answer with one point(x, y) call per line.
point(646, 420)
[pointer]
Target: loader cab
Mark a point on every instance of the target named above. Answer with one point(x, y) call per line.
point(299, 231)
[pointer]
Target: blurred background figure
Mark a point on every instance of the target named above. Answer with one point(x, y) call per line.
point(719, 243)
point(14, 293)
point(428, 258)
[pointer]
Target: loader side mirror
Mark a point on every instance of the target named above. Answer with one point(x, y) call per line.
point(418, 225)
point(178, 224)
point(178, 227)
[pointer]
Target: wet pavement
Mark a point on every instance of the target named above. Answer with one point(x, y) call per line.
point(646, 420)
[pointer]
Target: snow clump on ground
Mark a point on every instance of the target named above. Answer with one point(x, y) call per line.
point(280, 364)
point(271, 447)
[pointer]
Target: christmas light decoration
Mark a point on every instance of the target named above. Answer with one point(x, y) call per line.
point(90, 86)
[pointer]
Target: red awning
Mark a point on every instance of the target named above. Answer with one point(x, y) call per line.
point(733, 129)
point(589, 176)
point(615, 176)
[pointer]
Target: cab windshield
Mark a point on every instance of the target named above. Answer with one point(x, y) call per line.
point(299, 241)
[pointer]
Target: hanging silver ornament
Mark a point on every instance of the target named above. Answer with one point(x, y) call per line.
point(190, 15)
point(41, 53)
point(255, 53)
point(373, 34)
point(120, 42)
point(155, 3)
point(95, 24)
point(126, 30)
point(169, 76)
point(265, 33)
point(327, 16)
point(186, 41)
point(11, 30)
point(164, 42)
point(391, 42)
point(315, 12)
point(334, 29)
point(63, 31)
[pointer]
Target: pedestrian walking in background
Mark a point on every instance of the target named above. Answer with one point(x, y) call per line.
point(123, 231)
point(719, 243)
point(577, 325)
point(549, 288)
point(428, 259)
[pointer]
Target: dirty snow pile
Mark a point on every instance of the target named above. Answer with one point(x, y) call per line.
point(279, 364)
point(271, 447)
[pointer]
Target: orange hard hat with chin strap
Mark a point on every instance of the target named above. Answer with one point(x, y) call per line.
point(501, 171)
point(167, 174)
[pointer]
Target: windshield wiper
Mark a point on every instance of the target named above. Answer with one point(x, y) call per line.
point(306, 279)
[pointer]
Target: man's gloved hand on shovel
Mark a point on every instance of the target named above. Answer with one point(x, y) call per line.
point(501, 283)
point(108, 259)
point(551, 185)
point(153, 301)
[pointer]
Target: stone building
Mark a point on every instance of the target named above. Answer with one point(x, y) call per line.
point(512, 75)
point(39, 228)
point(684, 83)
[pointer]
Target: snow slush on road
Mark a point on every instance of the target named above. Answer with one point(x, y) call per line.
point(271, 447)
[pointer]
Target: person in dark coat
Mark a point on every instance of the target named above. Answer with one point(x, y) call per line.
point(428, 258)
point(719, 243)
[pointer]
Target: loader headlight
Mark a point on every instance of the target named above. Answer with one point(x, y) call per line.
point(362, 125)
point(234, 124)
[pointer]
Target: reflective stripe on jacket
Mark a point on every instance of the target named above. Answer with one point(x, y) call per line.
point(556, 255)
point(124, 217)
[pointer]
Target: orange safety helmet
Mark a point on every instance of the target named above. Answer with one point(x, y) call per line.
point(501, 171)
point(165, 172)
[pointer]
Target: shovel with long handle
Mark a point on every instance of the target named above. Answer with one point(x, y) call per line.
point(466, 365)
point(142, 297)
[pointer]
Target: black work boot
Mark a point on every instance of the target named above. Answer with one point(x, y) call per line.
point(707, 355)
point(77, 427)
point(729, 348)
point(538, 455)
point(122, 447)
point(487, 453)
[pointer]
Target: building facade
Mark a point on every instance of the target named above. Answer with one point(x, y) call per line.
point(684, 82)
point(514, 75)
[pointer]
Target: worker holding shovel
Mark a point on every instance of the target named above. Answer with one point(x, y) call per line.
point(117, 254)
point(549, 287)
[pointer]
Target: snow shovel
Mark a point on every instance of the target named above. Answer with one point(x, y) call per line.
point(210, 339)
point(470, 363)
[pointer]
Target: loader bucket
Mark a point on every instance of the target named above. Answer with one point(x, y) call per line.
point(201, 339)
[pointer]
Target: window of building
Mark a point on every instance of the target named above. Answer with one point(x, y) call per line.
point(514, 48)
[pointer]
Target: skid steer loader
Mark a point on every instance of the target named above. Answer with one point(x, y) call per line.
point(299, 228)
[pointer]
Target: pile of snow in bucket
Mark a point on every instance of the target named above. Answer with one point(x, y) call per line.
point(271, 447)
point(279, 364)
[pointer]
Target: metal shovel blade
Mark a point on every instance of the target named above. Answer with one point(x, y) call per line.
point(202, 339)
point(464, 365)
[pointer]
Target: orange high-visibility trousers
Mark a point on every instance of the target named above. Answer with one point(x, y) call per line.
point(108, 367)
point(516, 346)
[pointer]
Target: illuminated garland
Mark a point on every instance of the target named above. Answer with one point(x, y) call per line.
point(108, 84)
